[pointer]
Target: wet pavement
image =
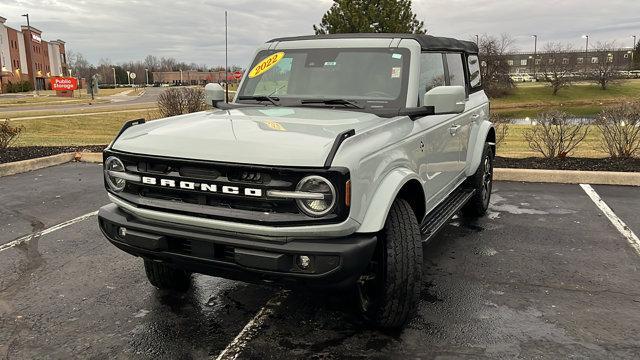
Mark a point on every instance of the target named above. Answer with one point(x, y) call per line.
point(544, 275)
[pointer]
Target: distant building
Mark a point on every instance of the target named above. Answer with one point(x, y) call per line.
point(24, 55)
point(579, 60)
point(189, 77)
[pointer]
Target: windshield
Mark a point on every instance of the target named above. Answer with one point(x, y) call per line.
point(369, 77)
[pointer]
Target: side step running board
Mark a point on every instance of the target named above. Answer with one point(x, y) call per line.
point(439, 216)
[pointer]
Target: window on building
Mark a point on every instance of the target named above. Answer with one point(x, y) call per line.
point(538, 61)
point(610, 58)
point(552, 61)
point(523, 62)
point(474, 71)
point(510, 62)
point(594, 60)
point(431, 73)
point(565, 61)
point(580, 60)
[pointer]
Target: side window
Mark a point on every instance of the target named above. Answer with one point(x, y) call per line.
point(456, 70)
point(431, 73)
point(474, 71)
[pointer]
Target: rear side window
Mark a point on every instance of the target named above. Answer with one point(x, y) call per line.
point(474, 71)
point(431, 73)
point(456, 70)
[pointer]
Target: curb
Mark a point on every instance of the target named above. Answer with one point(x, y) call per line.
point(34, 164)
point(89, 157)
point(568, 176)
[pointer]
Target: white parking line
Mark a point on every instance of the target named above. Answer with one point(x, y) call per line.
point(615, 220)
point(28, 238)
point(249, 331)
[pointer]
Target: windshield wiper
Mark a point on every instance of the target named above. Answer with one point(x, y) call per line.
point(271, 99)
point(347, 103)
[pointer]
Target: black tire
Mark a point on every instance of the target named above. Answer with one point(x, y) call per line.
point(482, 182)
point(387, 293)
point(166, 277)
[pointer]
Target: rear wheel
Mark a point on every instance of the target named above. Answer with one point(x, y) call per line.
point(387, 293)
point(166, 277)
point(482, 182)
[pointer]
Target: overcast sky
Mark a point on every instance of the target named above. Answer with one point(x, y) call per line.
point(193, 31)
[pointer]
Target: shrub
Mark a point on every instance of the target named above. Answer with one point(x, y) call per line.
point(501, 125)
point(21, 86)
point(620, 130)
point(178, 101)
point(555, 134)
point(8, 133)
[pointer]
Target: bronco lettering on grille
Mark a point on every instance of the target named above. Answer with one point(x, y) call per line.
point(212, 188)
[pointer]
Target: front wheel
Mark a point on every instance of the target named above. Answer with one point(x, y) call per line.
point(387, 293)
point(482, 183)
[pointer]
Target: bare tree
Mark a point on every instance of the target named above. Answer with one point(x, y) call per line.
point(495, 70)
point(501, 126)
point(556, 66)
point(620, 130)
point(604, 71)
point(79, 65)
point(556, 134)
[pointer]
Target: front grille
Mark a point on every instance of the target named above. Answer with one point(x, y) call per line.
point(231, 206)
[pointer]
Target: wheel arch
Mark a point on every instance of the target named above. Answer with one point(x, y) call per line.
point(486, 133)
point(400, 183)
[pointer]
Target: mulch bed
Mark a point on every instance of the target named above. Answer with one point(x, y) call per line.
point(570, 163)
point(12, 154)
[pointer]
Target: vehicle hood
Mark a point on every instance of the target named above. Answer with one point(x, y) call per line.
point(278, 136)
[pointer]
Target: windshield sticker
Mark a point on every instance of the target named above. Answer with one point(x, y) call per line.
point(395, 72)
point(266, 64)
point(330, 63)
point(397, 56)
point(275, 125)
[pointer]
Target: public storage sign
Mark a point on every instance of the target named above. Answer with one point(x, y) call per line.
point(64, 83)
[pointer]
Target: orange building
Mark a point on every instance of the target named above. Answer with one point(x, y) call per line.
point(25, 56)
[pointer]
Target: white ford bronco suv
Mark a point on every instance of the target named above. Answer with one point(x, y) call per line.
point(338, 157)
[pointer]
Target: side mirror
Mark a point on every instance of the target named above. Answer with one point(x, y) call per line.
point(446, 99)
point(214, 93)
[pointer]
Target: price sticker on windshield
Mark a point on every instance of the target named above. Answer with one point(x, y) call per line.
point(266, 64)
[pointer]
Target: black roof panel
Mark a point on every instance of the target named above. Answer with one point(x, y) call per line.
point(427, 42)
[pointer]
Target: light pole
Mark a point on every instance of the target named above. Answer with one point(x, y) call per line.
point(586, 52)
point(633, 49)
point(115, 80)
point(146, 72)
point(477, 40)
point(33, 68)
point(180, 77)
point(129, 77)
point(535, 55)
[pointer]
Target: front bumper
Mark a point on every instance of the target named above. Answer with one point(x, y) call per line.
point(335, 261)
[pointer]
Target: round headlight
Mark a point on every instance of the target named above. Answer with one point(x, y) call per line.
point(113, 164)
point(318, 185)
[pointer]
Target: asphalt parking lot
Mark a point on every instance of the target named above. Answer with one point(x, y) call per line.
point(545, 275)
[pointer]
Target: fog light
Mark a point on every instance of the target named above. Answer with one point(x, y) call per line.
point(122, 231)
point(304, 262)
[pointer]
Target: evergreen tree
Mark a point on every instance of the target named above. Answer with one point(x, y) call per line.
point(366, 16)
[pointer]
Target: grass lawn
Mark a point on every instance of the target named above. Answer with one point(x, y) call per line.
point(79, 130)
point(49, 97)
point(580, 100)
point(516, 146)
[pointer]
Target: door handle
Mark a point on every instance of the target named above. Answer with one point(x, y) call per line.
point(454, 130)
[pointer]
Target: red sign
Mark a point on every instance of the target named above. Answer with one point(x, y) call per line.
point(64, 83)
point(237, 75)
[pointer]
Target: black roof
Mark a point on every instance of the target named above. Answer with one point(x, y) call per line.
point(427, 42)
